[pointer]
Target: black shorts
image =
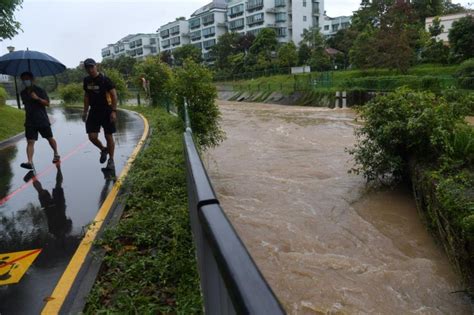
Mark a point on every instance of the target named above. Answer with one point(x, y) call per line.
point(31, 132)
point(95, 120)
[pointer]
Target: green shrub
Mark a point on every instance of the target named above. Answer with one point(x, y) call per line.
point(430, 83)
point(459, 146)
point(194, 83)
point(71, 93)
point(465, 74)
point(120, 84)
point(401, 126)
point(160, 77)
point(3, 96)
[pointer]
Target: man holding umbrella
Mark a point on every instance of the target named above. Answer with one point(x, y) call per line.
point(35, 100)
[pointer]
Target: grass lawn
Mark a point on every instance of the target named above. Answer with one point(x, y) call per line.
point(150, 265)
point(347, 79)
point(11, 121)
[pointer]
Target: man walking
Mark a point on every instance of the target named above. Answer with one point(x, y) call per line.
point(35, 100)
point(100, 110)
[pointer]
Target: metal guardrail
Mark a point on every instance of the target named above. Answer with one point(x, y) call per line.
point(231, 282)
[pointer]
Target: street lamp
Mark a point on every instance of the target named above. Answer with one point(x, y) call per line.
point(10, 50)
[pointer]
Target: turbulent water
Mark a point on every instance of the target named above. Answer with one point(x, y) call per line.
point(325, 243)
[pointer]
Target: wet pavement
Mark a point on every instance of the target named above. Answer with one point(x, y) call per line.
point(325, 242)
point(52, 213)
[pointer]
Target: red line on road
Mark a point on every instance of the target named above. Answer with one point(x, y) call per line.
point(42, 173)
point(20, 258)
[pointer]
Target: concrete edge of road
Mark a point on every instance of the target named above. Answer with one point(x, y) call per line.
point(70, 294)
point(12, 140)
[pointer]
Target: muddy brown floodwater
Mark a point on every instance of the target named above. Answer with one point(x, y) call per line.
point(325, 243)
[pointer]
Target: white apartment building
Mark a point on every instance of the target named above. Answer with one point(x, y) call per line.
point(288, 17)
point(206, 25)
point(137, 46)
point(174, 34)
point(4, 78)
point(447, 21)
point(331, 26)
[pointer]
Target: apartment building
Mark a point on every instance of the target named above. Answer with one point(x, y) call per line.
point(174, 34)
point(288, 17)
point(206, 25)
point(447, 22)
point(137, 46)
point(331, 26)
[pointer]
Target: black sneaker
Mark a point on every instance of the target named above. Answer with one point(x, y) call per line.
point(103, 155)
point(29, 176)
point(110, 165)
point(28, 166)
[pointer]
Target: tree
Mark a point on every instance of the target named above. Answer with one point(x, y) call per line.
point(435, 50)
point(266, 41)
point(166, 57)
point(343, 41)
point(120, 84)
point(287, 55)
point(184, 52)
point(313, 38)
point(452, 8)
point(123, 64)
point(8, 25)
point(426, 8)
point(194, 84)
point(304, 53)
point(160, 77)
point(226, 46)
point(461, 38)
point(364, 49)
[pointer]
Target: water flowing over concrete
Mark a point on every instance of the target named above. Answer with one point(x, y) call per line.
point(325, 242)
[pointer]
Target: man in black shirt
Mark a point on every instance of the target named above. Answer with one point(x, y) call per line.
point(100, 110)
point(35, 100)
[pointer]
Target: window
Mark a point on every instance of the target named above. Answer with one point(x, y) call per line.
point(304, 3)
point(132, 45)
point(106, 53)
point(208, 43)
point(116, 49)
point(208, 32)
point(138, 42)
point(326, 27)
point(208, 19)
point(280, 17)
point(175, 41)
point(194, 23)
point(236, 10)
point(253, 5)
point(140, 51)
point(174, 30)
point(122, 47)
point(132, 53)
point(208, 56)
point(280, 3)
point(315, 21)
point(281, 31)
point(237, 24)
point(304, 18)
point(254, 32)
point(165, 43)
point(165, 33)
point(335, 27)
point(152, 41)
point(198, 45)
point(196, 35)
point(255, 19)
point(153, 50)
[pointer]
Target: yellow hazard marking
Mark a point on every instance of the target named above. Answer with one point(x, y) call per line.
point(14, 265)
point(61, 291)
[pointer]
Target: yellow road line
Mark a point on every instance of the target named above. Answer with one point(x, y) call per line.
point(55, 302)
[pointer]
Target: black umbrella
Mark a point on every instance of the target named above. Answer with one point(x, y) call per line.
point(38, 63)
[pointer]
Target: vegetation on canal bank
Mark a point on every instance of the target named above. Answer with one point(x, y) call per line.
point(150, 266)
point(11, 121)
point(423, 138)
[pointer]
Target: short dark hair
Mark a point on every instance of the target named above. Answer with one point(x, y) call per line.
point(28, 73)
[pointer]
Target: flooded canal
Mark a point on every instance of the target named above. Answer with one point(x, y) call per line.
point(325, 242)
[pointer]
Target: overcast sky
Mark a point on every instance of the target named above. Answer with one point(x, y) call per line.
point(72, 30)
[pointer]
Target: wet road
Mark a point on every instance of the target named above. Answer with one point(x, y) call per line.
point(53, 212)
point(325, 242)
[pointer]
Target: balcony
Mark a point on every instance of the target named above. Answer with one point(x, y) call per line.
point(271, 25)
